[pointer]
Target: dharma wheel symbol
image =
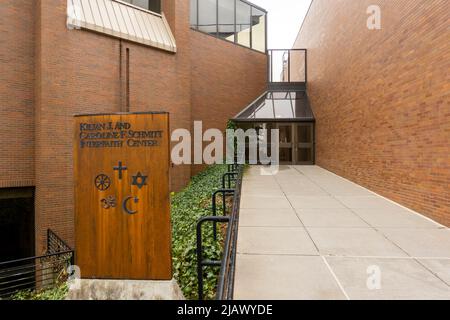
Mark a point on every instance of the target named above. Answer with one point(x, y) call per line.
point(102, 182)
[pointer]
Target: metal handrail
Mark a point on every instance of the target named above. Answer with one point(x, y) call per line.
point(231, 176)
point(226, 264)
point(200, 261)
point(38, 272)
point(225, 193)
point(225, 287)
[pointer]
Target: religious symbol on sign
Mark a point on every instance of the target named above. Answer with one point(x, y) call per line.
point(125, 205)
point(109, 202)
point(102, 182)
point(120, 168)
point(139, 180)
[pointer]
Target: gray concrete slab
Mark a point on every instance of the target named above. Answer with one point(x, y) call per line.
point(364, 242)
point(269, 218)
point(394, 218)
point(306, 233)
point(262, 277)
point(330, 218)
point(363, 202)
point(275, 240)
point(387, 279)
point(441, 268)
point(264, 202)
point(421, 243)
point(315, 202)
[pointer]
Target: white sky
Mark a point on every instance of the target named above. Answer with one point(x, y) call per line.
point(285, 19)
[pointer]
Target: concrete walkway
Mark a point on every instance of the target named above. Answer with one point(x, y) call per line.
point(306, 233)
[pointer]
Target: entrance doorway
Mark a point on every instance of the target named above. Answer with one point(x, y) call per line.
point(296, 143)
point(16, 223)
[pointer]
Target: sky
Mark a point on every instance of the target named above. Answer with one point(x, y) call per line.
point(285, 18)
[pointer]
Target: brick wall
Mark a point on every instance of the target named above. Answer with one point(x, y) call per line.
point(52, 73)
point(85, 73)
point(17, 93)
point(225, 79)
point(382, 98)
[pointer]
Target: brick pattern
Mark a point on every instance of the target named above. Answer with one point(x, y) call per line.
point(53, 73)
point(16, 94)
point(225, 79)
point(382, 98)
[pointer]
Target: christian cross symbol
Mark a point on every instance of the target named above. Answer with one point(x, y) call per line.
point(120, 168)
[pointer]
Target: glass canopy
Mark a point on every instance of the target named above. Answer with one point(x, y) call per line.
point(276, 106)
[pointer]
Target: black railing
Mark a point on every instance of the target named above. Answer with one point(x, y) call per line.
point(288, 66)
point(55, 244)
point(227, 263)
point(37, 273)
point(225, 287)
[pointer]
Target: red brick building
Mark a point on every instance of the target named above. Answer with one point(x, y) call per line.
point(381, 98)
point(64, 57)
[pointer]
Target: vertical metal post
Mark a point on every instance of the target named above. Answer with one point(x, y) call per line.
point(289, 65)
point(271, 66)
point(266, 29)
point(306, 67)
point(198, 13)
point(224, 205)
point(199, 262)
point(235, 22)
point(217, 18)
point(251, 27)
point(48, 240)
point(214, 211)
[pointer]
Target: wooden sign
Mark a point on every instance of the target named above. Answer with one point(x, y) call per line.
point(122, 198)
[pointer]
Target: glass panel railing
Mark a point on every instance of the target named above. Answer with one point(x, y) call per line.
point(287, 66)
point(243, 23)
point(207, 16)
point(226, 24)
point(258, 30)
point(237, 21)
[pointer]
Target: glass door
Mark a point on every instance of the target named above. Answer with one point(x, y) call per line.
point(286, 142)
point(304, 143)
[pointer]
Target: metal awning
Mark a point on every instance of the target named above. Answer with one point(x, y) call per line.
point(278, 106)
point(121, 20)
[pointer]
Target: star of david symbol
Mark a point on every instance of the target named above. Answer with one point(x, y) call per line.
point(139, 180)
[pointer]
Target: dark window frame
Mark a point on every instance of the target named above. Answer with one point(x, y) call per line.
point(152, 5)
point(217, 33)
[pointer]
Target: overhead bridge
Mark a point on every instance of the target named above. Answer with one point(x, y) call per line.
point(285, 106)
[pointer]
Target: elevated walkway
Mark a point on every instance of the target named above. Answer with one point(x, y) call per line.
point(306, 233)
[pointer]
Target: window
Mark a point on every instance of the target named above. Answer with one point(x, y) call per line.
point(152, 5)
point(226, 20)
point(258, 30)
point(194, 14)
point(243, 24)
point(237, 21)
point(207, 16)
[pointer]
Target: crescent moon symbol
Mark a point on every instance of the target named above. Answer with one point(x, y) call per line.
point(125, 207)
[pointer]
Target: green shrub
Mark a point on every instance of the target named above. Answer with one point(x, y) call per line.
point(188, 206)
point(58, 293)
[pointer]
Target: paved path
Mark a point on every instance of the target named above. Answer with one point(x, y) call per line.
point(306, 233)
